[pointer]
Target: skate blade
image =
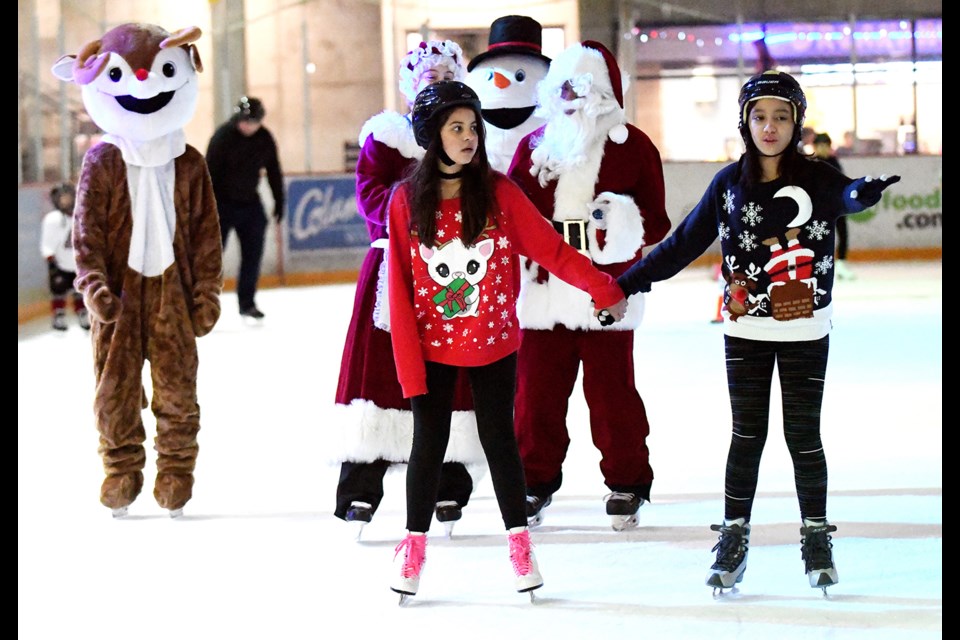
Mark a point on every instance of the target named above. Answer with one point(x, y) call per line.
point(120, 512)
point(357, 528)
point(535, 521)
point(624, 523)
point(176, 513)
point(448, 528)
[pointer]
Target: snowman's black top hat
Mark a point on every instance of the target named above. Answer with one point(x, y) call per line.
point(513, 35)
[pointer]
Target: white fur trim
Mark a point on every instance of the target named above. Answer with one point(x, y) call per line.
point(543, 306)
point(623, 228)
point(618, 134)
point(393, 130)
point(363, 432)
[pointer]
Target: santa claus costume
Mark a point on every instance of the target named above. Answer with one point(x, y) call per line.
point(374, 429)
point(601, 183)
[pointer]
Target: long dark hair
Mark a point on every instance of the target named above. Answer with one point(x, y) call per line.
point(477, 197)
point(792, 161)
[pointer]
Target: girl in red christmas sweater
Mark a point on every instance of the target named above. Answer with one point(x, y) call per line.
point(457, 231)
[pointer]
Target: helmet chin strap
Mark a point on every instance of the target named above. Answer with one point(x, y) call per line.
point(444, 158)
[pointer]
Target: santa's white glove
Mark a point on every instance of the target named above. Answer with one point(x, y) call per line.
point(599, 212)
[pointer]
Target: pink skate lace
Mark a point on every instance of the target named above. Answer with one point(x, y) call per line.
point(416, 553)
point(520, 553)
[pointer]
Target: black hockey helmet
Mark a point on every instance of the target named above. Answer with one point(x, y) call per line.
point(434, 100)
point(772, 84)
point(61, 189)
point(249, 109)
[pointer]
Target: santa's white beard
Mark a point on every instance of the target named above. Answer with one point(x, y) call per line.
point(568, 139)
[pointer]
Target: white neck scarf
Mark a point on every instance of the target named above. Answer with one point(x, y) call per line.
point(150, 179)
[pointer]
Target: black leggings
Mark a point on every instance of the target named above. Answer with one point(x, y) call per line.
point(493, 387)
point(802, 367)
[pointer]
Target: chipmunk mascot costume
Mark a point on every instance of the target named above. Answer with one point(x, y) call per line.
point(149, 255)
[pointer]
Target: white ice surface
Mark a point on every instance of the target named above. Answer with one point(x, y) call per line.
point(259, 555)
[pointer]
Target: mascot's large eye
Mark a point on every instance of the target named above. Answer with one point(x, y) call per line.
point(115, 74)
point(169, 69)
point(443, 270)
point(490, 74)
point(472, 267)
point(520, 75)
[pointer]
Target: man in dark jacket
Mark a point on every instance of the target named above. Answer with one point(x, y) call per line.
point(238, 151)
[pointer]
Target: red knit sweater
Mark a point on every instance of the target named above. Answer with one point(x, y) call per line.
point(457, 305)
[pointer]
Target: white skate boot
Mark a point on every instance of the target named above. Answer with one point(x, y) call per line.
point(524, 562)
point(409, 564)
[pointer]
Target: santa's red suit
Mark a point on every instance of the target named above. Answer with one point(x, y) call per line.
point(622, 176)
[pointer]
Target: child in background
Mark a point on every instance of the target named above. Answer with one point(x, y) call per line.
point(457, 229)
point(774, 211)
point(56, 247)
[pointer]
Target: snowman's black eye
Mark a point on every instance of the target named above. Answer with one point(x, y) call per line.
point(490, 74)
point(520, 75)
point(115, 74)
point(169, 69)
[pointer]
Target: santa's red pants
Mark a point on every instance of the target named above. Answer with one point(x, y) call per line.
point(547, 369)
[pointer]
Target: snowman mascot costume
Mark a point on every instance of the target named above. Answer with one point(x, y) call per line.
point(149, 256)
point(505, 77)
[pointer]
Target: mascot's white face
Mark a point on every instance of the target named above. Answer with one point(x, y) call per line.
point(138, 82)
point(164, 100)
point(508, 81)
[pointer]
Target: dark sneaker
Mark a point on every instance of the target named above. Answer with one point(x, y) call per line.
point(252, 312)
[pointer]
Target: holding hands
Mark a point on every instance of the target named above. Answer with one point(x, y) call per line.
point(612, 314)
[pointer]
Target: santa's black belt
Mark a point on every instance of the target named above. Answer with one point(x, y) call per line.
point(574, 233)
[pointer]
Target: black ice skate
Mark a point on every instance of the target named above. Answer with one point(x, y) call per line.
point(359, 514)
point(816, 550)
point(535, 507)
point(83, 318)
point(448, 512)
point(622, 509)
point(732, 549)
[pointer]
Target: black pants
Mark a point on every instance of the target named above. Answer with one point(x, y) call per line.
point(363, 482)
point(802, 368)
point(842, 241)
point(493, 388)
point(249, 220)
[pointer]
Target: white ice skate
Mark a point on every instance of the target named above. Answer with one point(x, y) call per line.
point(524, 562)
point(409, 557)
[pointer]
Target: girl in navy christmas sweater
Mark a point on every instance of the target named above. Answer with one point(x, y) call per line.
point(774, 212)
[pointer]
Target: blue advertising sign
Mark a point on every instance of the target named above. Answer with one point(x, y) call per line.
point(323, 214)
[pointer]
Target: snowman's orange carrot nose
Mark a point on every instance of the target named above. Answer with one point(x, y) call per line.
point(500, 81)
